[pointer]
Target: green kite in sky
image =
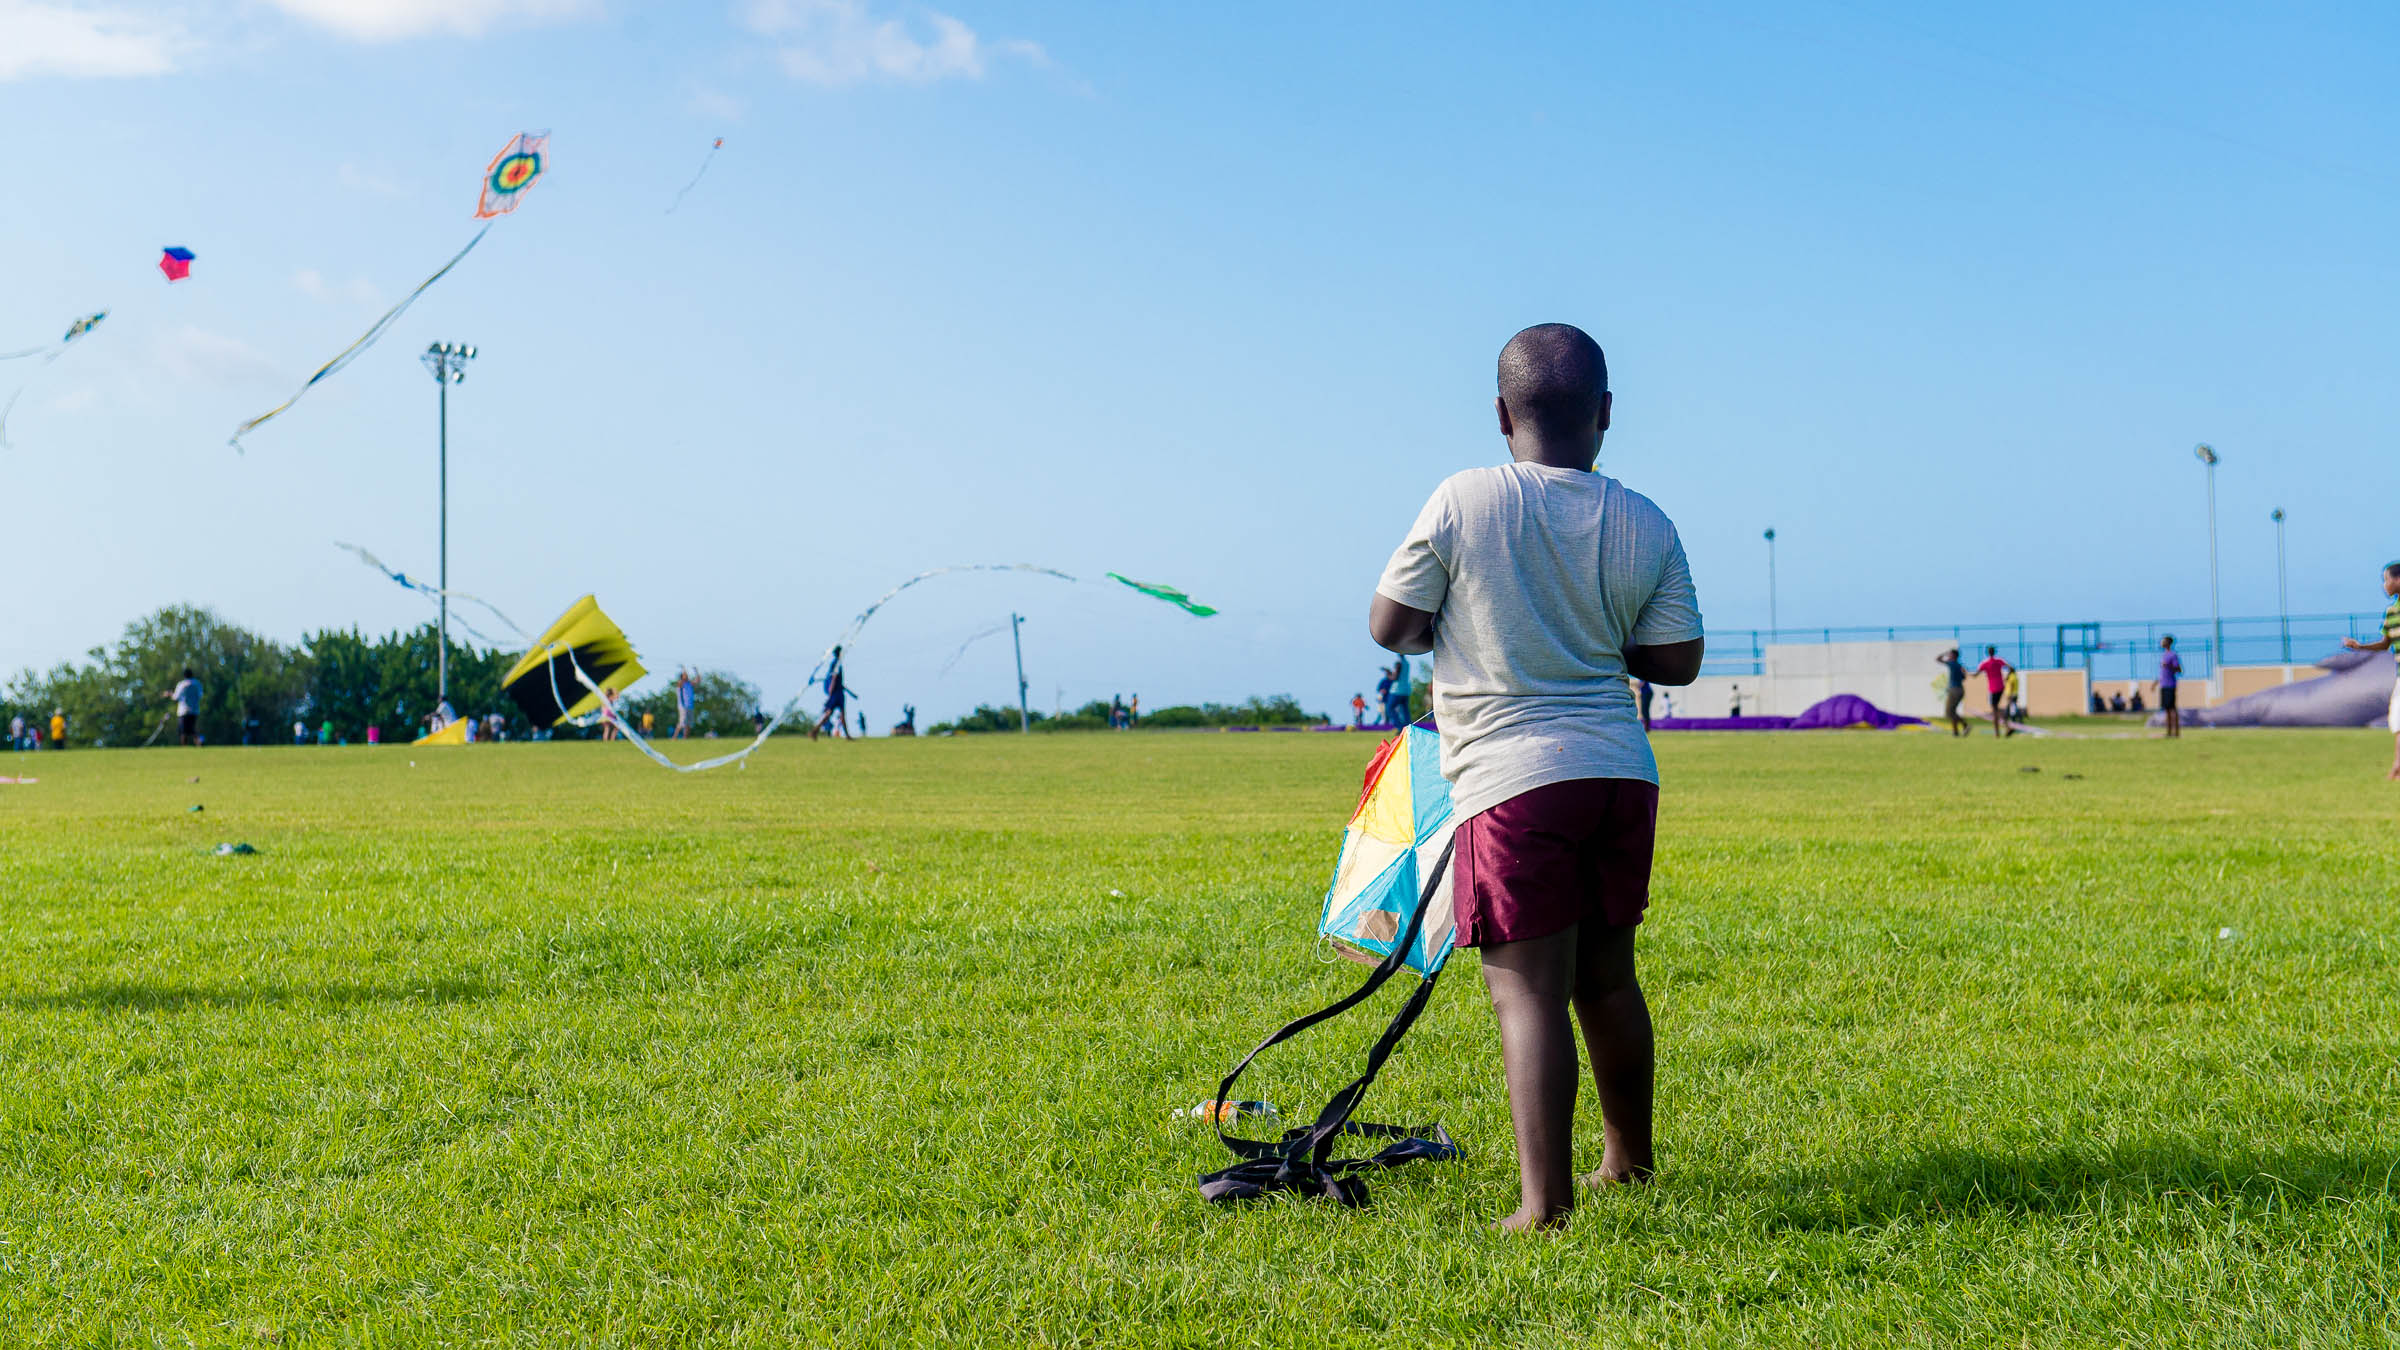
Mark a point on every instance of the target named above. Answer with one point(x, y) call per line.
point(1166, 593)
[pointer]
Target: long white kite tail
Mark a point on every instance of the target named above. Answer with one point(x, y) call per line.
point(611, 716)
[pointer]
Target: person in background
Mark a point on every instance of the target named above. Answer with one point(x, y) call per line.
point(2116, 702)
point(1733, 707)
point(2098, 705)
point(1133, 712)
point(1995, 677)
point(1358, 711)
point(2389, 642)
point(2012, 700)
point(1403, 707)
point(1116, 713)
point(186, 696)
point(687, 690)
point(58, 728)
point(1954, 692)
point(325, 732)
point(837, 701)
point(2136, 704)
point(609, 715)
point(2170, 674)
point(649, 723)
point(1642, 689)
point(495, 727)
point(1383, 693)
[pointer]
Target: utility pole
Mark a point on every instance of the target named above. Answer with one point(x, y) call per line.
point(448, 362)
point(2216, 619)
point(1771, 621)
point(2283, 594)
point(1016, 623)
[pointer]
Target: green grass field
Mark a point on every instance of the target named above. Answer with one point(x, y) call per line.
point(877, 1044)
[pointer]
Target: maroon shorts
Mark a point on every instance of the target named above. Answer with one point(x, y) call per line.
point(1560, 855)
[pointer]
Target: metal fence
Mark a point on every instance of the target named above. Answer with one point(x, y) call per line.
point(2111, 649)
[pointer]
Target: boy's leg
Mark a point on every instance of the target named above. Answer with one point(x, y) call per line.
point(1616, 1032)
point(2394, 775)
point(1531, 984)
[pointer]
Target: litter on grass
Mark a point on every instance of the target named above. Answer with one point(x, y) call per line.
point(1226, 1113)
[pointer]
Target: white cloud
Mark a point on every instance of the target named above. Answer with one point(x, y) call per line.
point(839, 42)
point(390, 20)
point(38, 38)
point(82, 399)
point(193, 353)
point(359, 180)
point(356, 291)
point(712, 104)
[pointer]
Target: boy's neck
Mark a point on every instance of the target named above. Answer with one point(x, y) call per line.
point(1579, 455)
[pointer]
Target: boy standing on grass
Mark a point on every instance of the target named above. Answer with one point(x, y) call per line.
point(2390, 641)
point(1538, 586)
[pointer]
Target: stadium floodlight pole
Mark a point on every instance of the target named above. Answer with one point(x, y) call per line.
point(448, 363)
point(1771, 624)
point(1024, 717)
point(2283, 593)
point(2216, 620)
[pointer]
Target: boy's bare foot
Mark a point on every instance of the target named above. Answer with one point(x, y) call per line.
point(1531, 1220)
point(1613, 1174)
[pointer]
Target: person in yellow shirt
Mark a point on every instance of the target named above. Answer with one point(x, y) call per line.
point(58, 728)
point(2011, 697)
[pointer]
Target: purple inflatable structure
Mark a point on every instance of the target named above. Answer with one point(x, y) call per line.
point(2356, 694)
point(1832, 714)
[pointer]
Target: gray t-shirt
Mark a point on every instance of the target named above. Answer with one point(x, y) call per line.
point(1540, 578)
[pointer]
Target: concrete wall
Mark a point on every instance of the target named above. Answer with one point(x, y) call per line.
point(1902, 677)
point(1895, 676)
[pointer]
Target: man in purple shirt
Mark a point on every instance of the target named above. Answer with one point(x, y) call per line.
point(2170, 674)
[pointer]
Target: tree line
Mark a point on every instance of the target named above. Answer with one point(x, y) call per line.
point(1280, 710)
point(254, 688)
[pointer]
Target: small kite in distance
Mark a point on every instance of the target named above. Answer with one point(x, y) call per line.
point(176, 262)
point(513, 171)
point(504, 184)
point(705, 161)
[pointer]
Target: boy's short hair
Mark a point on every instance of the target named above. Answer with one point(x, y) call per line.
point(1552, 376)
point(2391, 569)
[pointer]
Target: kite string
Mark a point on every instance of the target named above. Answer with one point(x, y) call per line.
point(365, 341)
point(436, 594)
point(705, 161)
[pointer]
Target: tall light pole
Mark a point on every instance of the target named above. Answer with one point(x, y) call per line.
point(448, 362)
point(2216, 620)
point(2283, 593)
point(1016, 622)
point(1771, 623)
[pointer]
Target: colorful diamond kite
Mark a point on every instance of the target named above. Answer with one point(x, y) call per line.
point(511, 173)
point(176, 262)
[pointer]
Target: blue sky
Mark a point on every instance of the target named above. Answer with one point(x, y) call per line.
point(1204, 294)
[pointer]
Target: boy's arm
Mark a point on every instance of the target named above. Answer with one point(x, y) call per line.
point(1413, 585)
point(1399, 628)
point(1667, 642)
point(1668, 662)
point(2382, 644)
